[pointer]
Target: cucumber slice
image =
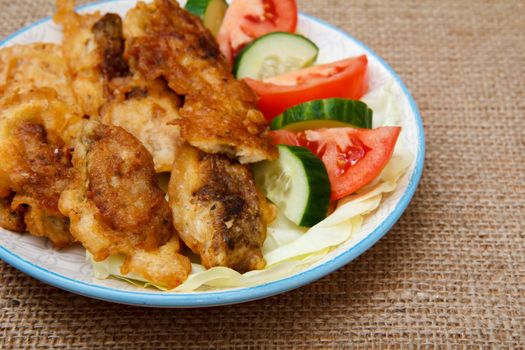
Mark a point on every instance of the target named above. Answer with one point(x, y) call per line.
point(327, 113)
point(297, 182)
point(274, 54)
point(211, 12)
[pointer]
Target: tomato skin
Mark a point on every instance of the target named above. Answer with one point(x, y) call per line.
point(378, 145)
point(285, 16)
point(246, 20)
point(344, 79)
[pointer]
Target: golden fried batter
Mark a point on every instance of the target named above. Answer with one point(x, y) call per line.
point(219, 114)
point(29, 67)
point(11, 219)
point(116, 207)
point(83, 56)
point(176, 88)
point(44, 104)
point(217, 209)
point(37, 104)
point(35, 168)
point(142, 108)
point(110, 46)
point(145, 109)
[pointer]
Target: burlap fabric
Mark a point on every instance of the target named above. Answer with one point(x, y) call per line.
point(450, 274)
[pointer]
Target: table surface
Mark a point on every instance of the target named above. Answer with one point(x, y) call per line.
point(451, 273)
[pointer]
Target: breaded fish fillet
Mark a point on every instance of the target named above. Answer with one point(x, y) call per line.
point(107, 89)
point(91, 49)
point(217, 209)
point(145, 109)
point(219, 114)
point(37, 104)
point(116, 207)
point(34, 169)
point(28, 67)
point(11, 219)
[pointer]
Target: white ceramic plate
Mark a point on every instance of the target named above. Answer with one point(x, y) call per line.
point(69, 270)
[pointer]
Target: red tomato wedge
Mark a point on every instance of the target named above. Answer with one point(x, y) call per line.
point(352, 157)
point(246, 20)
point(345, 79)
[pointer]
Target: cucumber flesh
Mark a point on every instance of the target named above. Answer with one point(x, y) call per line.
point(331, 112)
point(297, 183)
point(274, 54)
point(211, 12)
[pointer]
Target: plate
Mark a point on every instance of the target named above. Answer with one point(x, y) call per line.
point(69, 270)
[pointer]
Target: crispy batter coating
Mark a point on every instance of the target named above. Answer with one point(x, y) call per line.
point(83, 56)
point(116, 207)
point(145, 110)
point(35, 168)
point(24, 68)
point(110, 45)
point(219, 114)
point(11, 219)
point(43, 104)
point(37, 104)
point(176, 87)
point(107, 88)
point(217, 209)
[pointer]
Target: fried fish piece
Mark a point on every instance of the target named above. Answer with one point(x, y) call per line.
point(25, 68)
point(34, 169)
point(110, 46)
point(44, 104)
point(145, 109)
point(93, 48)
point(10, 219)
point(116, 207)
point(217, 209)
point(37, 104)
point(219, 114)
point(142, 108)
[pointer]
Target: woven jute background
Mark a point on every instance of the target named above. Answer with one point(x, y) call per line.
point(450, 274)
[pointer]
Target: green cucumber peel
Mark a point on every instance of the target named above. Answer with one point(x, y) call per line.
point(339, 110)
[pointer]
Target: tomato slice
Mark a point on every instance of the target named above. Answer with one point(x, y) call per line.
point(352, 157)
point(345, 79)
point(246, 20)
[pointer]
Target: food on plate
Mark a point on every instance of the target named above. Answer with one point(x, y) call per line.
point(353, 157)
point(146, 109)
point(35, 168)
point(297, 183)
point(27, 67)
point(134, 138)
point(219, 114)
point(327, 113)
point(217, 117)
point(345, 79)
point(109, 41)
point(217, 209)
point(109, 90)
point(143, 108)
point(36, 106)
point(247, 20)
point(84, 60)
point(116, 207)
point(11, 219)
point(211, 12)
point(274, 54)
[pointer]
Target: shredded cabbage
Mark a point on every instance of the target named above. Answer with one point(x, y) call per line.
point(384, 102)
point(289, 248)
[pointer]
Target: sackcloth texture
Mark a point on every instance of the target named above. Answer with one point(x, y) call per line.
point(449, 275)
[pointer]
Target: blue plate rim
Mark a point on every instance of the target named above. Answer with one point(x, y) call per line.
point(205, 299)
